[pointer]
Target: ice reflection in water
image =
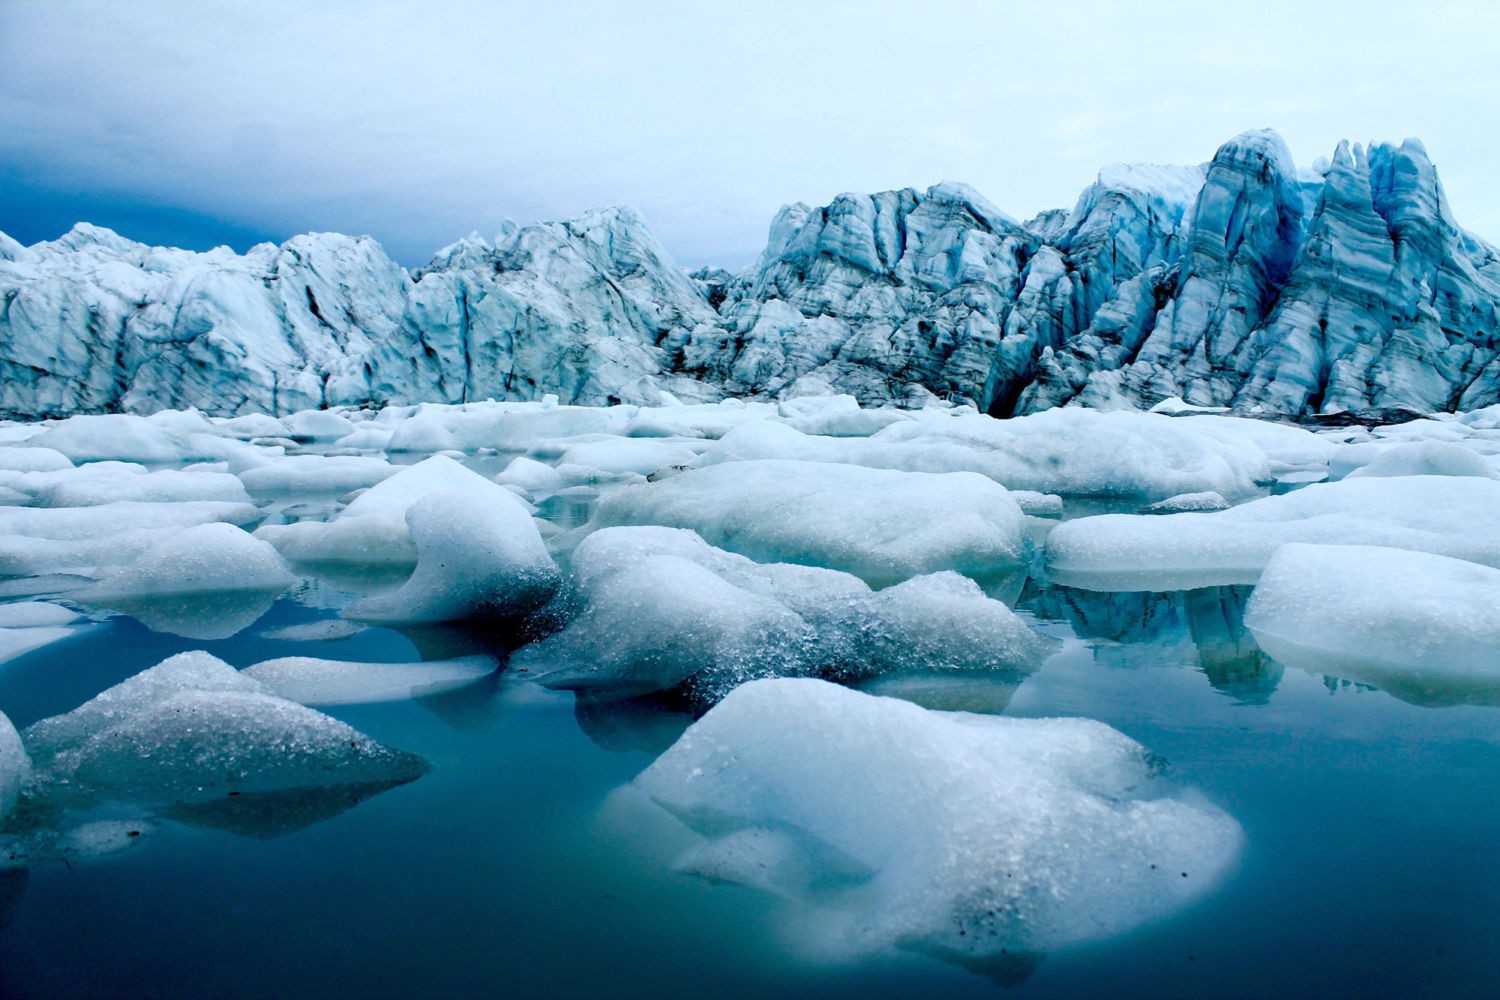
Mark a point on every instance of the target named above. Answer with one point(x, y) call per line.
point(1204, 627)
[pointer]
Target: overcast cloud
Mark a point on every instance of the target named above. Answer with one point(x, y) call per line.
point(196, 123)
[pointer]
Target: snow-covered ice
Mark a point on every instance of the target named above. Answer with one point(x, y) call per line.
point(1423, 627)
point(1452, 516)
point(879, 524)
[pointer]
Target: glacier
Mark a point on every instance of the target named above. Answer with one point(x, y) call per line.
point(1245, 283)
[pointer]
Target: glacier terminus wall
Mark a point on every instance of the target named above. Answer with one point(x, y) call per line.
point(1244, 282)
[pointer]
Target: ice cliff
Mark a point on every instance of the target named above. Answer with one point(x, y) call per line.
point(1243, 282)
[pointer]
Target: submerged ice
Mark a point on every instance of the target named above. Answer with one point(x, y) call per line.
point(974, 838)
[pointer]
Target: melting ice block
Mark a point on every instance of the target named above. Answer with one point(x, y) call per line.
point(192, 728)
point(317, 474)
point(479, 555)
point(1423, 627)
point(206, 558)
point(879, 524)
point(312, 681)
point(1071, 451)
point(965, 836)
point(1445, 515)
point(372, 530)
point(661, 607)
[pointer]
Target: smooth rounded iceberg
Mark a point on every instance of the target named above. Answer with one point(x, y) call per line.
point(1444, 515)
point(881, 525)
point(479, 555)
point(1423, 627)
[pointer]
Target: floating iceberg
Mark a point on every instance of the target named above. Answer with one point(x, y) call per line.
point(879, 524)
point(1423, 627)
point(1451, 516)
point(1073, 452)
point(974, 838)
point(479, 555)
point(372, 530)
point(192, 729)
point(661, 608)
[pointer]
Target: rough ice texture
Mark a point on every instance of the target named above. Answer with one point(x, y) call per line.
point(35, 541)
point(1421, 626)
point(1452, 516)
point(881, 525)
point(1239, 282)
point(192, 729)
point(479, 555)
point(206, 558)
point(662, 608)
point(1074, 452)
point(970, 837)
point(312, 681)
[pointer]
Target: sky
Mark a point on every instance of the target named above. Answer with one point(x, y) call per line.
point(203, 123)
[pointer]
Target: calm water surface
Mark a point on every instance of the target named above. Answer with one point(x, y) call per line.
point(1370, 868)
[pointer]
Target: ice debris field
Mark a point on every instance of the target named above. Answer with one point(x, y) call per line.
point(823, 634)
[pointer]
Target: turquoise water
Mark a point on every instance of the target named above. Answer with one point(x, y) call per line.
point(1370, 868)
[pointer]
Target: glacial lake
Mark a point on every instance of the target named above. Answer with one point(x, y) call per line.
point(510, 869)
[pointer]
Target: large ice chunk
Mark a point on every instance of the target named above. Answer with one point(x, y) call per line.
point(662, 608)
point(192, 729)
point(1451, 516)
point(37, 541)
point(1417, 458)
point(372, 529)
point(1423, 627)
point(85, 487)
point(479, 555)
point(970, 837)
point(317, 474)
point(879, 524)
point(207, 582)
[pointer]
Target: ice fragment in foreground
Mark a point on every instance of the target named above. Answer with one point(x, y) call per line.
point(192, 729)
point(964, 836)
